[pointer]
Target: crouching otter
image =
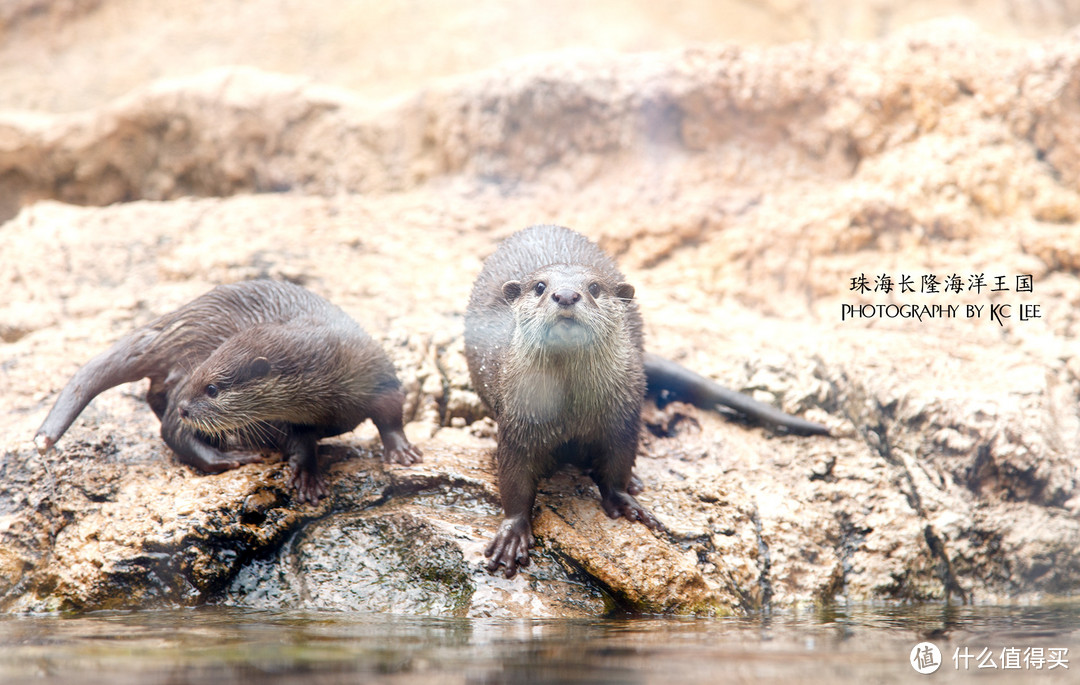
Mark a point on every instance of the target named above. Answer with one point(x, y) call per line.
point(249, 366)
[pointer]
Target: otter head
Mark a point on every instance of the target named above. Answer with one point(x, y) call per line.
point(217, 396)
point(565, 307)
point(259, 375)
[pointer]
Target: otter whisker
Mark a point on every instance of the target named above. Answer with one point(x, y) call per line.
point(262, 433)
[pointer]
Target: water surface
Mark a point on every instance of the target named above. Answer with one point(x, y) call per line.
point(229, 645)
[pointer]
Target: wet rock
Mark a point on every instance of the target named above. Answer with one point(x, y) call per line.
point(392, 561)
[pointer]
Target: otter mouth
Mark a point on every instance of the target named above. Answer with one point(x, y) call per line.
point(204, 417)
point(567, 332)
point(233, 435)
point(211, 425)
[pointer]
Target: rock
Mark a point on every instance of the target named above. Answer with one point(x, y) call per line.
point(745, 191)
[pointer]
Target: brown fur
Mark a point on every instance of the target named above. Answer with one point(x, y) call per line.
point(564, 372)
point(554, 346)
point(287, 368)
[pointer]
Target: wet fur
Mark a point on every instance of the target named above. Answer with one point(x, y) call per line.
point(517, 367)
point(555, 404)
point(323, 376)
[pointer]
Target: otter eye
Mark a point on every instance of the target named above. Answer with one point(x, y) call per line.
point(211, 390)
point(594, 289)
point(539, 288)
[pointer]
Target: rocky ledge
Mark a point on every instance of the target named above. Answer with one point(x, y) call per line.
point(744, 191)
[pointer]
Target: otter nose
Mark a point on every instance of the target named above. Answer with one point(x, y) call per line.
point(565, 297)
point(182, 409)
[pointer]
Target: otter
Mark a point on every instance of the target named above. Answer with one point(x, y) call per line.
point(250, 366)
point(554, 345)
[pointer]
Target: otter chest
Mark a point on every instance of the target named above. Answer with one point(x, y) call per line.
point(565, 405)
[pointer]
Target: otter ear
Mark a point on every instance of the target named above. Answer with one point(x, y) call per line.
point(624, 291)
point(256, 368)
point(511, 290)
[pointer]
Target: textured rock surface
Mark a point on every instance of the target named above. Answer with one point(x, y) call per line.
point(741, 189)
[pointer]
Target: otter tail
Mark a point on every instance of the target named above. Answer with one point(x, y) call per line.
point(121, 363)
point(685, 385)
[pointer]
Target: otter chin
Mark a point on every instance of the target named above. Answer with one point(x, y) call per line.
point(566, 333)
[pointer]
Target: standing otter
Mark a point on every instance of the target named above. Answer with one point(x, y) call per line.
point(554, 344)
point(252, 365)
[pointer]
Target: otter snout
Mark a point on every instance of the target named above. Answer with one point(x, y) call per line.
point(566, 297)
point(184, 409)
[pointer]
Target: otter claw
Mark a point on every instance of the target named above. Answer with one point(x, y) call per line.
point(309, 486)
point(623, 504)
point(405, 457)
point(510, 547)
point(398, 450)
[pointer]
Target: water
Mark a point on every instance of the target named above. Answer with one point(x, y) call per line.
point(226, 645)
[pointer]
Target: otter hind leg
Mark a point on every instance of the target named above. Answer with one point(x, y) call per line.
point(613, 474)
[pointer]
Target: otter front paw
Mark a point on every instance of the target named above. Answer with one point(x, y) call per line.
point(309, 485)
point(214, 461)
point(238, 459)
point(510, 548)
point(623, 504)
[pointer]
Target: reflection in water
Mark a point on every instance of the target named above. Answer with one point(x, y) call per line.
point(220, 645)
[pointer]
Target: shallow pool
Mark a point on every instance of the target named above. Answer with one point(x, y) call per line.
point(866, 644)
